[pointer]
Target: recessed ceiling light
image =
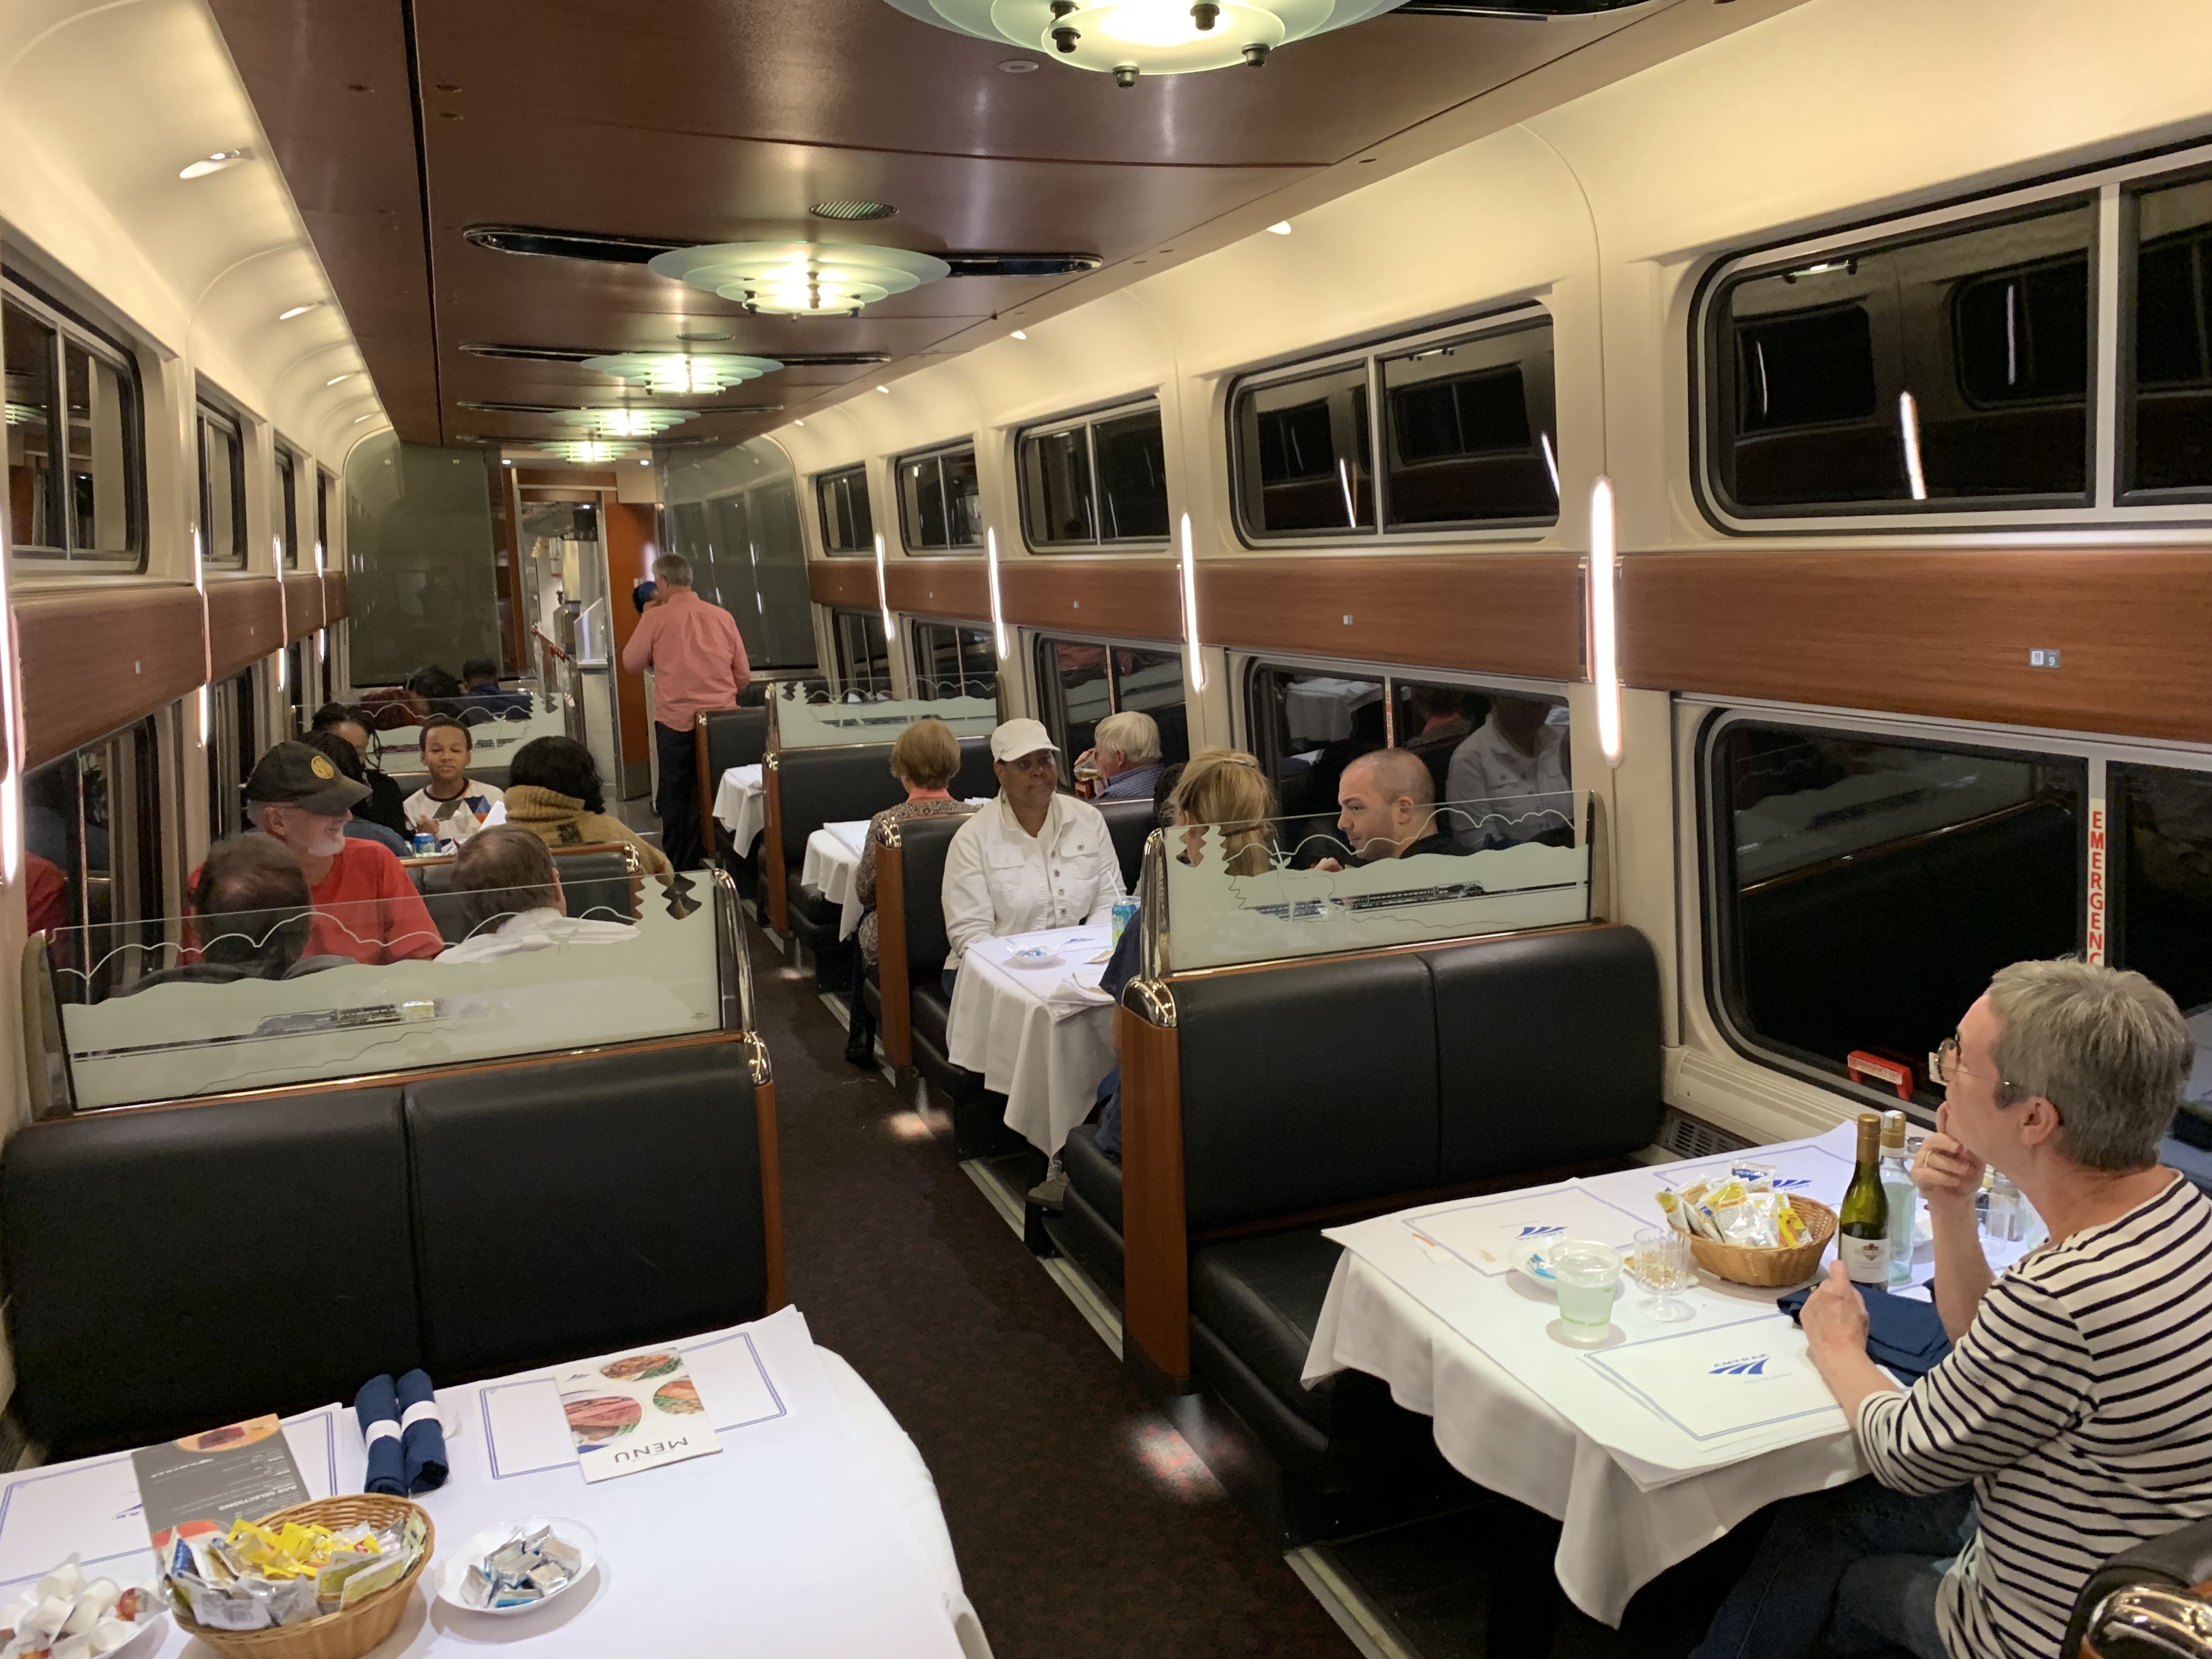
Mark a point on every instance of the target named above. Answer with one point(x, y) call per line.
point(297, 311)
point(1018, 66)
point(200, 166)
point(645, 463)
point(506, 462)
point(1020, 334)
point(358, 419)
point(798, 424)
point(348, 375)
point(885, 390)
point(1280, 228)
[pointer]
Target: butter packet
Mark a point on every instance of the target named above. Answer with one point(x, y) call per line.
point(1756, 1177)
point(386, 1571)
point(1724, 1207)
point(1789, 1225)
point(1671, 1206)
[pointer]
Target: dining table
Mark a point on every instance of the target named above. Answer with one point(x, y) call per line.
point(1028, 1014)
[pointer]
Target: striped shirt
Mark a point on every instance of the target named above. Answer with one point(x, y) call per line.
point(2076, 1405)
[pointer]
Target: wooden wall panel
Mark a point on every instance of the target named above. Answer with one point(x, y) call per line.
point(630, 529)
point(337, 599)
point(303, 604)
point(849, 584)
point(1937, 631)
point(96, 658)
point(1500, 613)
point(958, 588)
point(1120, 598)
point(245, 621)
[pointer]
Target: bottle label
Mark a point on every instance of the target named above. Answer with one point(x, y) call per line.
point(1866, 1260)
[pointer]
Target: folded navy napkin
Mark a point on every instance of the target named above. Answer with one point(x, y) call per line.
point(1903, 1333)
point(377, 1408)
point(421, 1437)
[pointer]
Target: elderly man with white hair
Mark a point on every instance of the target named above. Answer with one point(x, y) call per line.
point(2071, 1419)
point(1124, 753)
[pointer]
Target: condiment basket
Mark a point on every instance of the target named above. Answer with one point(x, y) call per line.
point(1776, 1266)
point(346, 1635)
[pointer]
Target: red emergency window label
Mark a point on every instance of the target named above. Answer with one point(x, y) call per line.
point(2096, 951)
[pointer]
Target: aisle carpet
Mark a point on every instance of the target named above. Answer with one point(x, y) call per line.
point(1082, 1524)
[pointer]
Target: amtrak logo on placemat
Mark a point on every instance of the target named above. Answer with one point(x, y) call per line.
point(1535, 1231)
point(1757, 1364)
point(1790, 1183)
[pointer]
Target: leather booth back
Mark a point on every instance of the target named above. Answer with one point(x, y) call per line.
point(816, 787)
point(163, 1271)
point(735, 737)
point(1130, 823)
point(594, 880)
point(923, 844)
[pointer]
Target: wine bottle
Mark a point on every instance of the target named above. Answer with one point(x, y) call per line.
point(1863, 1221)
point(1904, 1199)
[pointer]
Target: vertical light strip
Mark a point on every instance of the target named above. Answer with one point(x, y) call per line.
point(1605, 651)
point(2106, 400)
point(997, 611)
point(1192, 650)
point(1344, 481)
point(11, 695)
point(1550, 463)
point(883, 592)
point(1908, 427)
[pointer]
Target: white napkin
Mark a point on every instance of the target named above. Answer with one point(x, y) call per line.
point(1070, 997)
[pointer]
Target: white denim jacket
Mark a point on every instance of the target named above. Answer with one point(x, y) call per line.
point(999, 880)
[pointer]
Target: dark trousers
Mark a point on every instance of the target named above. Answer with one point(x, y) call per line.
point(677, 800)
point(1858, 1564)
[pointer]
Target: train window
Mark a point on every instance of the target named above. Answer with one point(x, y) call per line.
point(946, 657)
point(222, 489)
point(1948, 371)
point(848, 526)
point(1150, 682)
point(233, 746)
point(1470, 432)
point(2162, 864)
point(288, 506)
point(1864, 889)
point(1303, 455)
point(1082, 681)
point(1096, 482)
point(322, 518)
point(940, 504)
point(863, 654)
point(2167, 408)
point(91, 832)
point(73, 466)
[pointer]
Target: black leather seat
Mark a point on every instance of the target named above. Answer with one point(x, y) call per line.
point(173, 1269)
point(2178, 1561)
point(595, 881)
point(1130, 823)
point(1088, 1226)
point(728, 738)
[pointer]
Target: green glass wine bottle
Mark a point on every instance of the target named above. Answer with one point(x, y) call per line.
point(1863, 1220)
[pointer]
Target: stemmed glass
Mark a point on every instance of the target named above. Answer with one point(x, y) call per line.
point(1661, 1262)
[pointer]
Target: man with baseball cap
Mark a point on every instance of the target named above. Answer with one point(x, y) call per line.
point(365, 907)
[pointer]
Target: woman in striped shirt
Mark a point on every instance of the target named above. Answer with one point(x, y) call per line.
point(2071, 1419)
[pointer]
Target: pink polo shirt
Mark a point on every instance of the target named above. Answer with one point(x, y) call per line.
point(696, 658)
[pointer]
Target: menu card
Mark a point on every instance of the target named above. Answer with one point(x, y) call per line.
point(634, 1414)
point(204, 1481)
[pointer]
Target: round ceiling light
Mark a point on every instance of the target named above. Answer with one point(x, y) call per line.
point(595, 451)
point(1128, 38)
point(684, 374)
point(800, 279)
point(625, 423)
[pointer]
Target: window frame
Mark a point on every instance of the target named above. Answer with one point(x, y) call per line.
point(843, 669)
point(939, 454)
point(822, 483)
point(2125, 392)
point(286, 462)
point(324, 479)
point(924, 668)
point(208, 409)
point(71, 329)
point(1248, 668)
point(1087, 422)
point(1497, 321)
point(1051, 704)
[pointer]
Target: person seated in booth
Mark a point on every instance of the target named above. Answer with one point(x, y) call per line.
point(1388, 809)
point(2070, 1419)
point(387, 802)
point(252, 917)
point(438, 690)
point(514, 902)
point(1125, 752)
point(452, 806)
point(482, 697)
point(365, 906)
point(344, 756)
point(1513, 754)
point(553, 791)
point(925, 760)
point(1438, 715)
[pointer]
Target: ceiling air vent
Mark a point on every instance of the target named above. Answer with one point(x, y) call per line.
point(852, 210)
point(637, 250)
point(578, 354)
point(564, 409)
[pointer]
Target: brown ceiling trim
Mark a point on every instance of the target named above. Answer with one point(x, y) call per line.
point(1941, 631)
point(245, 621)
point(1119, 599)
point(94, 660)
point(303, 604)
point(1497, 613)
point(337, 600)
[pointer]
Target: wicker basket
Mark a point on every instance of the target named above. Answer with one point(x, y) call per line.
point(1772, 1268)
point(345, 1635)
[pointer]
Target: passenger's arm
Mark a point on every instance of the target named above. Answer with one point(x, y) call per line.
point(965, 897)
point(1948, 1177)
point(741, 668)
point(637, 655)
point(1107, 884)
point(863, 878)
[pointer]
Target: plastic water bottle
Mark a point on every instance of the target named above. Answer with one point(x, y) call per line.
point(1903, 1198)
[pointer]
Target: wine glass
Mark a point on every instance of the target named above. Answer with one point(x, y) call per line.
point(1660, 1259)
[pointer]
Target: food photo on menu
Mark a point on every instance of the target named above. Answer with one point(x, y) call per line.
point(635, 1413)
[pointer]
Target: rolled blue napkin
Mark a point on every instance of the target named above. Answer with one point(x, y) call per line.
point(1903, 1333)
point(421, 1437)
point(377, 1408)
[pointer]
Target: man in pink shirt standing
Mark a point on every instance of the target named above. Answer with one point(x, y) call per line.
point(697, 662)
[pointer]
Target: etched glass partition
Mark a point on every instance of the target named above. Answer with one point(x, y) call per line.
point(1316, 886)
point(259, 998)
point(812, 714)
point(499, 724)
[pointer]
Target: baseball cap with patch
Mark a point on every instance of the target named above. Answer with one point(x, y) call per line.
point(293, 775)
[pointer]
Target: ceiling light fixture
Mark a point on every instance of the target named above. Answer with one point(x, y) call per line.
point(591, 450)
point(1020, 334)
point(358, 419)
point(625, 423)
point(1604, 619)
point(297, 311)
point(337, 379)
point(998, 607)
point(1193, 653)
point(200, 166)
point(679, 373)
point(1280, 228)
point(800, 279)
point(883, 591)
point(885, 390)
point(1129, 38)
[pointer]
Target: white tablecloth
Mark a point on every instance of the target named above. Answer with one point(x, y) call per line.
point(1046, 1057)
point(814, 1531)
point(832, 868)
point(741, 805)
point(1320, 710)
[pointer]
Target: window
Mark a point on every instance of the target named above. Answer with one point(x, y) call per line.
point(1082, 681)
point(947, 658)
point(2169, 404)
point(2161, 913)
point(847, 524)
point(322, 519)
point(288, 506)
point(1864, 888)
point(1949, 370)
point(222, 489)
point(93, 818)
point(863, 655)
point(1095, 483)
point(940, 508)
point(76, 468)
point(233, 747)
point(1467, 437)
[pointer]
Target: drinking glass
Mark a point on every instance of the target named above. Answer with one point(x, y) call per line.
point(1587, 1274)
point(1661, 1263)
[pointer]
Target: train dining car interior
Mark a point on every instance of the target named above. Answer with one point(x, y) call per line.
point(1278, 828)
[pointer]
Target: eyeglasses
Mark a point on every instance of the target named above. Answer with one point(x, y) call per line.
point(1943, 1068)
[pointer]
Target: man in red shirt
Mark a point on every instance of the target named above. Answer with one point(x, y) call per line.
point(365, 907)
point(698, 662)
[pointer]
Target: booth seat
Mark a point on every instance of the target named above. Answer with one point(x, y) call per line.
point(1283, 1099)
point(2180, 1560)
point(173, 1268)
point(597, 879)
point(726, 738)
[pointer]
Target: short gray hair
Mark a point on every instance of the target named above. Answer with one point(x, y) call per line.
point(672, 570)
point(2108, 1048)
point(1133, 734)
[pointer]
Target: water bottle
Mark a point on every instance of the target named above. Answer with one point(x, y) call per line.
point(1904, 1197)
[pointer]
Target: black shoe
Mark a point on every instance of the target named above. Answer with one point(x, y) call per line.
point(860, 1047)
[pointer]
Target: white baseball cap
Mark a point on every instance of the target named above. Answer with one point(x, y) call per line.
point(1016, 738)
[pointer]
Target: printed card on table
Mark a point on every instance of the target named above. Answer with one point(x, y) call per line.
point(635, 1413)
point(1489, 1234)
point(1808, 1168)
point(1721, 1380)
